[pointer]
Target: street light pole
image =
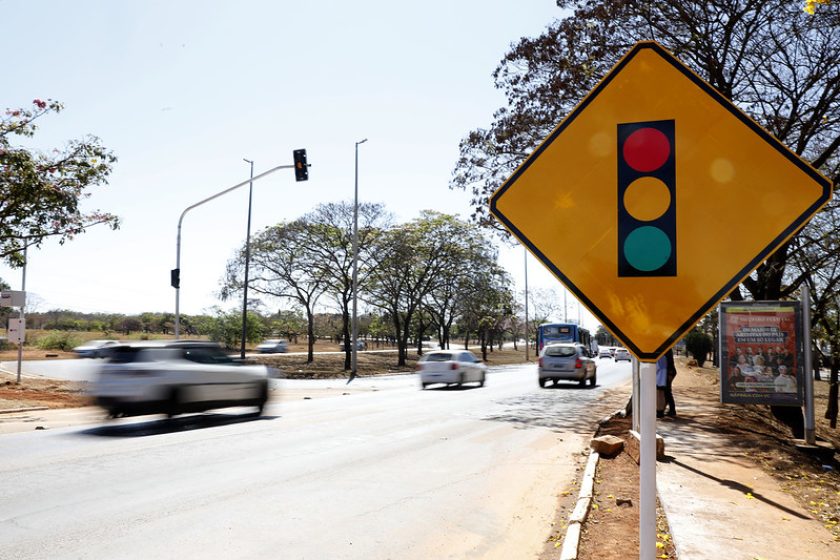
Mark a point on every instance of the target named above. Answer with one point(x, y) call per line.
point(355, 318)
point(21, 315)
point(178, 240)
point(247, 262)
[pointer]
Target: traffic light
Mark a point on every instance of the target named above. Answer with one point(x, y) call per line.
point(175, 278)
point(647, 203)
point(301, 169)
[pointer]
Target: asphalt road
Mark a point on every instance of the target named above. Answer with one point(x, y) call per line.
point(387, 471)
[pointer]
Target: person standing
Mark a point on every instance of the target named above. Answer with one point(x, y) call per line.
point(661, 384)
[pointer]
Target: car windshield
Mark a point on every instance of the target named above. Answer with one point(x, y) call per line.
point(437, 357)
point(560, 351)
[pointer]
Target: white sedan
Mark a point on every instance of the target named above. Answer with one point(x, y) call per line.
point(176, 377)
point(451, 367)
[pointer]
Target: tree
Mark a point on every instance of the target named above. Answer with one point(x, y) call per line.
point(283, 265)
point(408, 262)
point(768, 57)
point(226, 328)
point(472, 255)
point(331, 242)
point(40, 193)
point(486, 306)
point(698, 344)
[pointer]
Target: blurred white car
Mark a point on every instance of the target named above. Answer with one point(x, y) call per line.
point(451, 367)
point(175, 377)
point(622, 354)
point(605, 352)
point(566, 361)
point(274, 345)
point(95, 348)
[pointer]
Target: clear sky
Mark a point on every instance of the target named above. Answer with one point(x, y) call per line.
point(182, 91)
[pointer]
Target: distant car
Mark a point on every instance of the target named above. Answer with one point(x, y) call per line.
point(605, 353)
point(622, 354)
point(176, 377)
point(360, 345)
point(273, 345)
point(566, 361)
point(95, 348)
point(451, 367)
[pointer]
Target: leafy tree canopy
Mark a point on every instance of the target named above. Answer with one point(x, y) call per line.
point(40, 193)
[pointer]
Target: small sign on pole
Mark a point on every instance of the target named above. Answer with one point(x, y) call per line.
point(15, 298)
point(761, 353)
point(17, 330)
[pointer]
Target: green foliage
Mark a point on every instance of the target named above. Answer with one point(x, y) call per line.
point(698, 344)
point(226, 328)
point(41, 192)
point(63, 341)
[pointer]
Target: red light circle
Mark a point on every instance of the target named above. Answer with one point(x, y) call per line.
point(646, 149)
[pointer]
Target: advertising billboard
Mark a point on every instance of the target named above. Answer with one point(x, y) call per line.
point(761, 353)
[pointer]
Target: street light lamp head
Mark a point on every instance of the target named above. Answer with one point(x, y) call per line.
point(247, 160)
point(361, 141)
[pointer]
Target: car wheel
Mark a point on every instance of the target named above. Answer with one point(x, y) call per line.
point(460, 380)
point(423, 386)
point(263, 398)
point(582, 382)
point(483, 377)
point(173, 403)
point(542, 382)
point(593, 380)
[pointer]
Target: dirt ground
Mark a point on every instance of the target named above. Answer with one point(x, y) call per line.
point(611, 530)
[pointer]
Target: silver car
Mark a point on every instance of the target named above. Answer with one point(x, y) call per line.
point(451, 367)
point(273, 345)
point(95, 348)
point(566, 361)
point(176, 377)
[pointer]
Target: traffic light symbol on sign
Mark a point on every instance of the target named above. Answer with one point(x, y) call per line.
point(647, 204)
point(301, 169)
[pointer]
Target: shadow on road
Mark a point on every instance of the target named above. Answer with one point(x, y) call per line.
point(571, 386)
point(452, 387)
point(172, 425)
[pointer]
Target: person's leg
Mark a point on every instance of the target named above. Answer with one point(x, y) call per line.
point(669, 398)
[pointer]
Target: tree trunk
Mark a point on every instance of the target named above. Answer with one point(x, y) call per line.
point(348, 341)
point(310, 336)
point(831, 410)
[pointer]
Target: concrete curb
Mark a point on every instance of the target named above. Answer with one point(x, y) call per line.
point(571, 542)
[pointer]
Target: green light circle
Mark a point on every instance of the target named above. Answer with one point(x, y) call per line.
point(647, 248)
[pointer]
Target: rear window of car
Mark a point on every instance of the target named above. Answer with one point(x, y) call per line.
point(560, 351)
point(437, 357)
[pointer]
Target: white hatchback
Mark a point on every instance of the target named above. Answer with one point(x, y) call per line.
point(176, 377)
point(451, 367)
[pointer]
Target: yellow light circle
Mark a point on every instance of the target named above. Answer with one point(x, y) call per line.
point(647, 198)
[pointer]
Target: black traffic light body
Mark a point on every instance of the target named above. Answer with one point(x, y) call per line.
point(647, 202)
point(301, 168)
point(175, 278)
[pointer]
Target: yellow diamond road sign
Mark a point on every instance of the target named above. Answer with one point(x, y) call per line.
point(655, 198)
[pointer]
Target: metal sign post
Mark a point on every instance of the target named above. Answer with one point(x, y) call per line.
point(634, 396)
point(647, 461)
point(810, 430)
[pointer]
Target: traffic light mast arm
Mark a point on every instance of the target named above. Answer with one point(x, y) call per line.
point(181, 219)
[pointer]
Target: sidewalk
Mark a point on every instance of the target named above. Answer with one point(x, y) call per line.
point(719, 501)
